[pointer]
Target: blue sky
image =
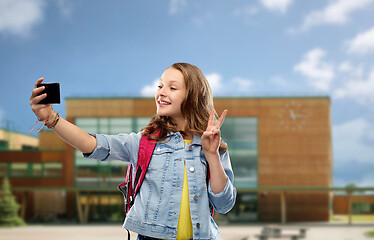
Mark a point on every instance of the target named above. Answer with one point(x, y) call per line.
point(245, 48)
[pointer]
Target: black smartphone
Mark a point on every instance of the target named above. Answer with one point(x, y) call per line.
point(53, 93)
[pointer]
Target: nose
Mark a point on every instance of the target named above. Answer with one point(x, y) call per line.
point(161, 91)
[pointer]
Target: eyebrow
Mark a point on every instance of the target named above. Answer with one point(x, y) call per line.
point(171, 81)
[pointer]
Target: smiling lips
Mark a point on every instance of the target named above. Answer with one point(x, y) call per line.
point(161, 102)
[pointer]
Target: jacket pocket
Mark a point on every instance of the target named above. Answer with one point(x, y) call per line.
point(160, 158)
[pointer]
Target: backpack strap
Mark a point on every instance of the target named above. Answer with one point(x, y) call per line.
point(146, 148)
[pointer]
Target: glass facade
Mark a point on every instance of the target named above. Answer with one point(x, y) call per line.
point(4, 145)
point(362, 208)
point(240, 133)
point(92, 173)
point(31, 170)
point(241, 137)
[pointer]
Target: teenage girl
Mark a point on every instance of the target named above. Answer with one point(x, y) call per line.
point(173, 201)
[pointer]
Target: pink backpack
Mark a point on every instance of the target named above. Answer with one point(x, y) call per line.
point(146, 149)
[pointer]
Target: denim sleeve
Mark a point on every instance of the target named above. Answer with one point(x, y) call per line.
point(224, 201)
point(123, 147)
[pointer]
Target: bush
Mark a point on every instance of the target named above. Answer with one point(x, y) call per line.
point(9, 207)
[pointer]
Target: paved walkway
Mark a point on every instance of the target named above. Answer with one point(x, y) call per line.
point(232, 232)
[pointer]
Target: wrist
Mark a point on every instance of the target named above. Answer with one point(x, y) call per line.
point(49, 117)
point(212, 156)
point(52, 120)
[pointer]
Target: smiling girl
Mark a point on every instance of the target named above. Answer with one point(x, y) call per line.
point(173, 201)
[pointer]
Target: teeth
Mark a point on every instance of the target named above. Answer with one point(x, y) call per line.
point(162, 102)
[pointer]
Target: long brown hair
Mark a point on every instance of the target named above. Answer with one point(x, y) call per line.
point(196, 107)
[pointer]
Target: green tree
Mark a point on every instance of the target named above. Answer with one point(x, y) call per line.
point(353, 187)
point(9, 207)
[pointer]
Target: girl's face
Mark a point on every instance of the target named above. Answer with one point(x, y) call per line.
point(170, 94)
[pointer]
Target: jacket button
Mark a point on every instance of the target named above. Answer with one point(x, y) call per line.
point(195, 197)
point(198, 225)
point(192, 169)
point(190, 148)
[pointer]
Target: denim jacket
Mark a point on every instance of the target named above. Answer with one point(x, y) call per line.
point(155, 212)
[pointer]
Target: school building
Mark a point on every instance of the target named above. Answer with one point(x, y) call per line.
point(277, 145)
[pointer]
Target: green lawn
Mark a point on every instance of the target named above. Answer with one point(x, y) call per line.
point(355, 218)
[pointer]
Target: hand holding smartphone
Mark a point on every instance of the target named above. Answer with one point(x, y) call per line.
point(53, 93)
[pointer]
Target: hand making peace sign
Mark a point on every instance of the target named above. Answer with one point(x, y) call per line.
point(211, 138)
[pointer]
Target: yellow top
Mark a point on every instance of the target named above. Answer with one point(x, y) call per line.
point(184, 228)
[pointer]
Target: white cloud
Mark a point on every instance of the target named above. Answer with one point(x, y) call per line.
point(345, 66)
point(176, 5)
point(337, 12)
point(350, 71)
point(237, 84)
point(360, 90)
point(241, 84)
point(214, 80)
point(349, 141)
point(277, 5)
point(150, 90)
point(18, 17)
point(362, 43)
point(318, 72)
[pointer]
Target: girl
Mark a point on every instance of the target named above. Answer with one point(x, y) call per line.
point(173, 201)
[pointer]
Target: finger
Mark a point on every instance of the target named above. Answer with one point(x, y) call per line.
point(37, 99)
point(211, 117)
point(222, 118)
point(216, 132)
point(37, 91)
point(40, 80)
point(213, 129)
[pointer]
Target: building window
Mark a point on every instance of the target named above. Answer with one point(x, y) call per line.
point(241, 136)
point(4, 145)
point(92, 173)
point(37, 169)
point(19, 170)
point(52, 169)
point(240, 133)
point(29, 148)
point(362, 207)
point(3, 169)
point(31, 170)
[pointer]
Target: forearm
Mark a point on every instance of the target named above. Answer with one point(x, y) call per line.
point(75, 136)
point(218, 177)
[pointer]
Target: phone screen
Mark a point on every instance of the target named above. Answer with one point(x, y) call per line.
point(53, 93)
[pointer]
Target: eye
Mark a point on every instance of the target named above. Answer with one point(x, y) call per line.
point(173, 88)
point(159, 86)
